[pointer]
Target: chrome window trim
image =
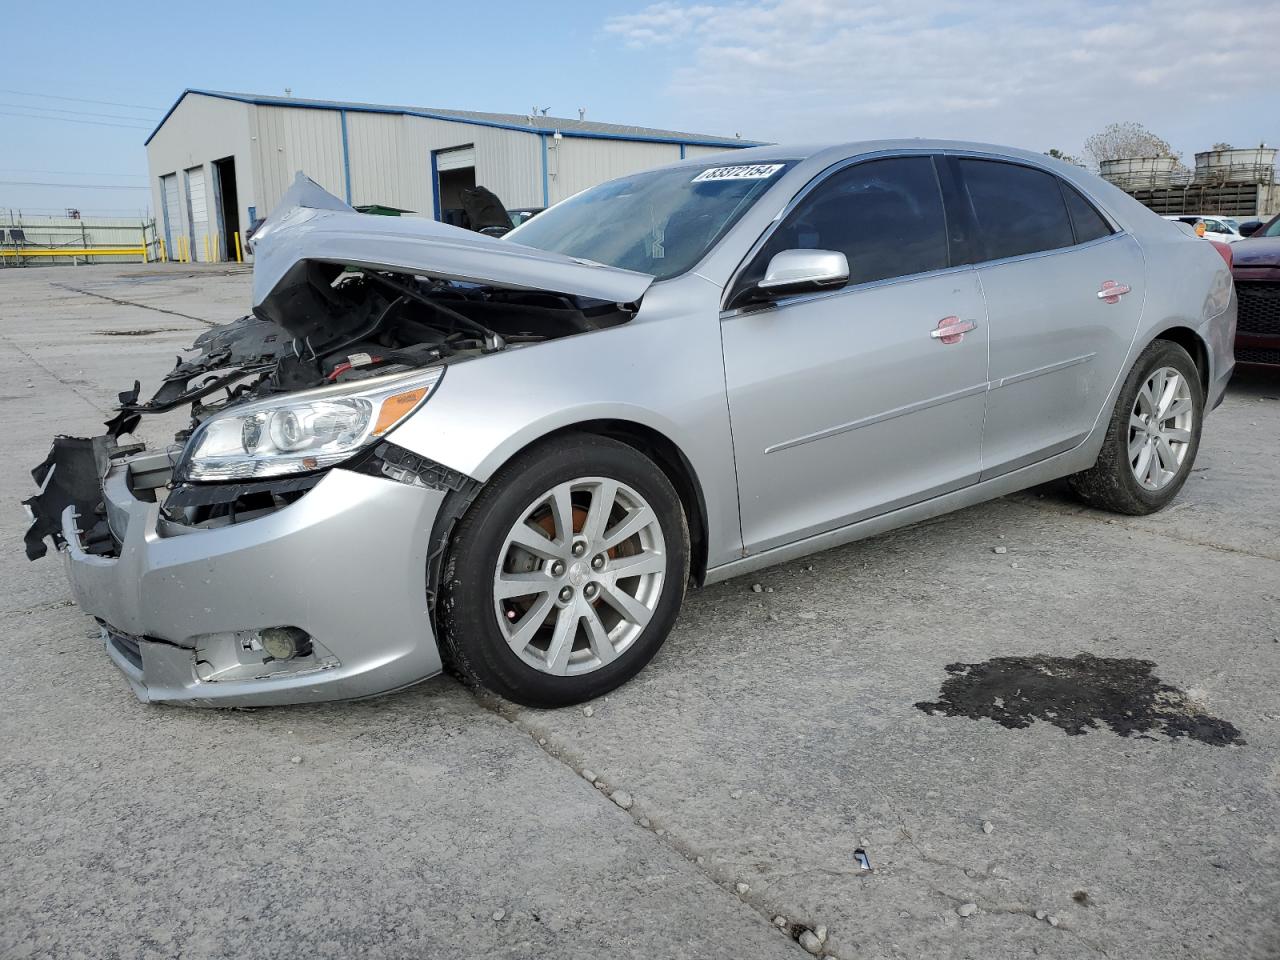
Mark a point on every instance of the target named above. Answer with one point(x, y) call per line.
point(841, 165)
point(1038, 254)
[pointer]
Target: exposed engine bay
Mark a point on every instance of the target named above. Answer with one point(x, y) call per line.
point(332, 324)
point(343, 302)
point(326, 324)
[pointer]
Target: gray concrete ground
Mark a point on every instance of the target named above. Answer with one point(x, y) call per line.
point(775, 734)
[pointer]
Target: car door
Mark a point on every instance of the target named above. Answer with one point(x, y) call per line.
point(849, 403)
point(1064, 295)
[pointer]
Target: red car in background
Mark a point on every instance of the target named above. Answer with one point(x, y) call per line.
point(1256, 269)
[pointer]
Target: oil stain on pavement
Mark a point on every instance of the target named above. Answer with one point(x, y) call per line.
point(1076, 694)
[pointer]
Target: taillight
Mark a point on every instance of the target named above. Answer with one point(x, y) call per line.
point(1225, 250)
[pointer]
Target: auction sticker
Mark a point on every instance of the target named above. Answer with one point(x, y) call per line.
point(753, 171)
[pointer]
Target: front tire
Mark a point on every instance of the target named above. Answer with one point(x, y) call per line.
point(1152, 438)
point(567, 573)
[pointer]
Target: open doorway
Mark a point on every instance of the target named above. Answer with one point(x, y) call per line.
point(224, 179)
point(455, 171)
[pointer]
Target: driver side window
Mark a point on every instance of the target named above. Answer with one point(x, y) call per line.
point(885, 216)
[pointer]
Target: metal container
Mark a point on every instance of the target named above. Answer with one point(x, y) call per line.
point(1139, 173)
point(1251, 165)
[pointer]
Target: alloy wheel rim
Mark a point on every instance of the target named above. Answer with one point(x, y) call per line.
point(1160, 428)
point(579, 576)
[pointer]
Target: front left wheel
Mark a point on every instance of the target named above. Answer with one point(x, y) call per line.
point(567, 573)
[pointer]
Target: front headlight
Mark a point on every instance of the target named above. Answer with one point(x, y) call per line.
point(301, 432)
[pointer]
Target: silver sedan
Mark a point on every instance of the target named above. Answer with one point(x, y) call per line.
point(427, 447)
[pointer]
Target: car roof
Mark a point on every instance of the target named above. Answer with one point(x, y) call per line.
point(810, 158)
point(853, 148)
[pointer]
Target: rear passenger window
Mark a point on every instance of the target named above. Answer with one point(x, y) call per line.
point(886, 216)
point(1019, 210)
point(1087, 221)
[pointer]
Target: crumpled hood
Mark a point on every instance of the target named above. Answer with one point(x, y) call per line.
point(312, 224)
point(1256, 252)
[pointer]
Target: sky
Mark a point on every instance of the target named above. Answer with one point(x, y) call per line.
point(85, 83)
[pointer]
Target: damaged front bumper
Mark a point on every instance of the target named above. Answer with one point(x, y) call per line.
point(183, 608)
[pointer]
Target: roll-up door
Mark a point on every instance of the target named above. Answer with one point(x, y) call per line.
point(172, 213)
point(198, 208)
point(456, 159)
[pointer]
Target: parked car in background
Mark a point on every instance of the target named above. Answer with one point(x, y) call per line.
point(1216, 227)
point(429, 446)
point(521, 214)
point(1256, 268)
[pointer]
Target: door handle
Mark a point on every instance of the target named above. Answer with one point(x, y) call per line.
point(1111, 291)
point(952, 329)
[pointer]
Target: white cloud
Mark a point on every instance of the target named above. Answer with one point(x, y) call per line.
point(1037, 73)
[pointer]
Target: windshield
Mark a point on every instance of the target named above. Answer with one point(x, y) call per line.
point(1272, 229)
point(660, 223)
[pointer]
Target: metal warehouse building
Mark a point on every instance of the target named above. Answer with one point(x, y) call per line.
point(219, 160)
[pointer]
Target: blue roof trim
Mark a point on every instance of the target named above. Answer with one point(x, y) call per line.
point(346, 156)
point(546, 186)
point(427, 115)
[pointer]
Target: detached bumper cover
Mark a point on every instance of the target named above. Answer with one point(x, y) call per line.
point(346, 563)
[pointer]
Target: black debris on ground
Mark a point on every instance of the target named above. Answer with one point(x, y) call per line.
point(1076, 694)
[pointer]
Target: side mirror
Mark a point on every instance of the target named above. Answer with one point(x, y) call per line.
point(1250, 227)
point(803, 271)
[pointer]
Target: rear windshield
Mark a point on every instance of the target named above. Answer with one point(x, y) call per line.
point(661, 222)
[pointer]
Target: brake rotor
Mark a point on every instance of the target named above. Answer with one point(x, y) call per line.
point(528, 562)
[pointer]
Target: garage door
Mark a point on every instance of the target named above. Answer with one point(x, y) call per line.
point(198, 209)
point(456, 158)
point(172, 213)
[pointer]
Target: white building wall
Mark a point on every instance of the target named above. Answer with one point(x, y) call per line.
point(388, 156)
point(508, 162)
point(202, 129)
point(574, 163)
point(378, 171)
point(289, 139)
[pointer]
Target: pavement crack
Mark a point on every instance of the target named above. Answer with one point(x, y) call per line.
point(134, 303)
point(1021, 910)
point(543, 739)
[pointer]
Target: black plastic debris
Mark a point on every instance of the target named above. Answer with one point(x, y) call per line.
point(69, 476)
point(126, 419)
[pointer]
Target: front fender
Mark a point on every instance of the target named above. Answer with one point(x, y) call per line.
point(663, 370)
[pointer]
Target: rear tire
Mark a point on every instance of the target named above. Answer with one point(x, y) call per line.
point(542, 598)
point(1152, 438)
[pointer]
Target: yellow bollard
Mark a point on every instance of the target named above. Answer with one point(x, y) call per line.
point(164, 254)
point(217, 254)
point(239, 255)
point(206, 248)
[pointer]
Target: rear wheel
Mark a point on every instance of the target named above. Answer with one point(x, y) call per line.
point(567, 573)
point(1152, 438)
